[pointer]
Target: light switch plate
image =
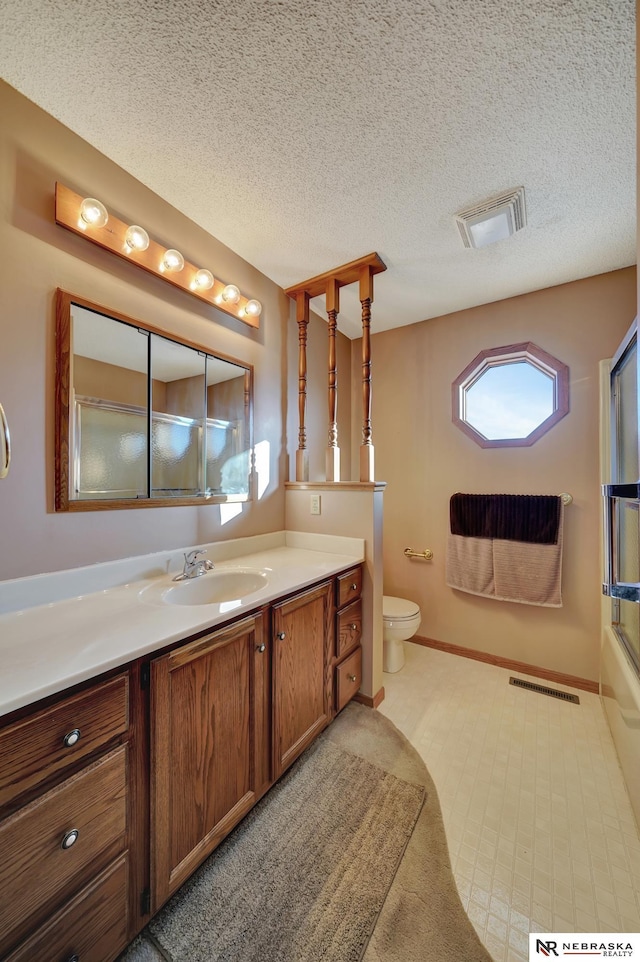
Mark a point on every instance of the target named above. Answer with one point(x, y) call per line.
point(315, 504)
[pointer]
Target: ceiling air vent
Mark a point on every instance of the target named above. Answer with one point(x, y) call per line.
point(494, 220)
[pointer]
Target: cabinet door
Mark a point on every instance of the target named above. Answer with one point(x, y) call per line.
point(302, 650)
point(209, 751)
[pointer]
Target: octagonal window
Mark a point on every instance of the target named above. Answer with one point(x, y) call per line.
point(511, 396)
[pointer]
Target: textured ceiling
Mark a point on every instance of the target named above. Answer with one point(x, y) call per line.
point(306, 134)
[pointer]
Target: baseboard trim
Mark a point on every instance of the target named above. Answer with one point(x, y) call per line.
point(370, 702)
point(572, 681)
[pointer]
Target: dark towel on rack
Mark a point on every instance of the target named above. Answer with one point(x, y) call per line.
point(532, 518)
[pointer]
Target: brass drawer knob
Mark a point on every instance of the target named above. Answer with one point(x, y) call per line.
point(354, 586)
point(73, 958)
point(282, 635)
point(71, 738)
point(70, 839)
point(261, 647)
point(353, 626)
point(351, 677)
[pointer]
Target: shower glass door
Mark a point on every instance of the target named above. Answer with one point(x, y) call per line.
point(622, 499)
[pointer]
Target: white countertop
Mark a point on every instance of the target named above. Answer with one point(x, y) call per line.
point(49, 647)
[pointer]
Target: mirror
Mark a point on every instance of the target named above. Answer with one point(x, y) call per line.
point(143, 419)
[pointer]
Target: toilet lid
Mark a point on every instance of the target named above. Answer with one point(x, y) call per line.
point(398, 608)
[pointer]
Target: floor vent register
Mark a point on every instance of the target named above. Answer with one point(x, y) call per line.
point(543, 690)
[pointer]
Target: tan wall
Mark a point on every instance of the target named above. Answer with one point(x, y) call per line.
point(37, 257)
point(109, 382)
point(184, 397)
point(317, 414)
point(424, 459)
point(226, 399)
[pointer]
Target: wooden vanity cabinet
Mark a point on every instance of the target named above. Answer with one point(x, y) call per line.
point(347, 659)
point(303, 640)
point(64, 775)
point(209, 746)
point(153, 766)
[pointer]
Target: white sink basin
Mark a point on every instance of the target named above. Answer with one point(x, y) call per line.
point(212, 588)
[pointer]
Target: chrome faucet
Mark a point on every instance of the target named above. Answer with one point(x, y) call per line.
point(194, 566)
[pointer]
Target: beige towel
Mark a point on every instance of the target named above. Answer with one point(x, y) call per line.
point(529, 574)
point(470, 565)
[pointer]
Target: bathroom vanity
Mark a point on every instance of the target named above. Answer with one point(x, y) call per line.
point(114, 790)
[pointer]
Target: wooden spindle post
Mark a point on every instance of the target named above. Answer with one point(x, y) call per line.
point(366, 449)
point(333, 451)
point(302, 317)
point(360, 271)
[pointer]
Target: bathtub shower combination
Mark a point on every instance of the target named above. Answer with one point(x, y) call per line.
point(620, 662)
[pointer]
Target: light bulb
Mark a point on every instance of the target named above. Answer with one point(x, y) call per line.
point(93, 212)
point(136, 238)
point(231, 294)
point(253, 308)
point(203, 280)
point(172, 261)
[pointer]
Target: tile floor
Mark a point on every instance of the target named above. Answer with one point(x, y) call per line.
point(538, 820)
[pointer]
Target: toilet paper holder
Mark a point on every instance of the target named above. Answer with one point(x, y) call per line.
point(427, 554)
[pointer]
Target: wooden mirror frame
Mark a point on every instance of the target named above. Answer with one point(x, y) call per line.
point(63, 394)
point(511, 354)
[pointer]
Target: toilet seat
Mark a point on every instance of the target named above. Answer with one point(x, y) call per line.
point(398, 609)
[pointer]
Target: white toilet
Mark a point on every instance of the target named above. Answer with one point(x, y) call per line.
point(400, 620)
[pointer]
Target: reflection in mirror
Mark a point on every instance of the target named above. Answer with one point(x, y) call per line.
point(178, 399)
point(227, 447)
point(111, 372)
point(109, 422)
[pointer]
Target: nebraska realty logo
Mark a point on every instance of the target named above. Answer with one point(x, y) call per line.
point(562, 945)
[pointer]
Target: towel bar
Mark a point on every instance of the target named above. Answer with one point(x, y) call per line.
point(427, 554)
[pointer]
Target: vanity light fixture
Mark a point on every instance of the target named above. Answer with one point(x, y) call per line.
point(136, 238)
point(203, 280)
point(88, 216)
point(253, 308)
point(172, 261)
point(494, 220)
point(231, 294)
point(93, 212)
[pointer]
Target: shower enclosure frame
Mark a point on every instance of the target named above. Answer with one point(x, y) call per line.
point(619, 675)
point(622, 497)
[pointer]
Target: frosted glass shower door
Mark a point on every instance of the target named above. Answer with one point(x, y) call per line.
point(112, 451)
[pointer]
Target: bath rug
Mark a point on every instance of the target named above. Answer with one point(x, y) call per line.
point(303, 878)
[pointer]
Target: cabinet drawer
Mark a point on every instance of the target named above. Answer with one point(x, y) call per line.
point(34, 748)
point(348, 678)
point(37, 873)
point(349, 586)
point(92, 926)
point(349, 628)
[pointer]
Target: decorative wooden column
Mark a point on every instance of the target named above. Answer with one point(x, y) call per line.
point(333, 451)
point(366, 448)
point(302, 317)
point(360, 271)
